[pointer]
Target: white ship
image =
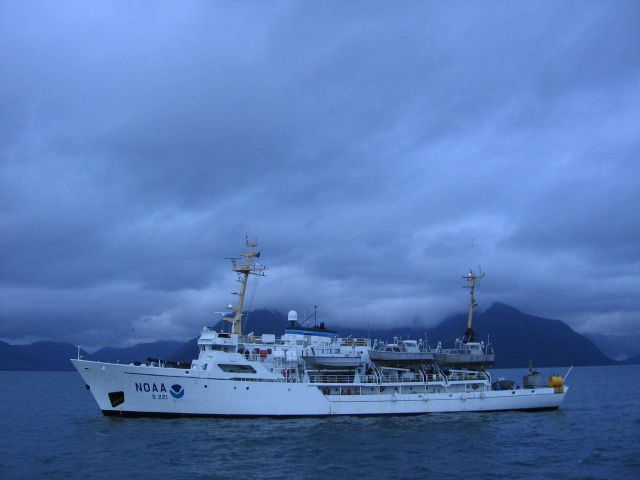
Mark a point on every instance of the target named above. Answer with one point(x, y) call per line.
point(308, 371)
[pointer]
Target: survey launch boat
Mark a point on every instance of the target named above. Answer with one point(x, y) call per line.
point(307, 371)
point(401, 352)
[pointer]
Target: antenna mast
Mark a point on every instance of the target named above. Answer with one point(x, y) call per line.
point(243, 269)
point(472, 279)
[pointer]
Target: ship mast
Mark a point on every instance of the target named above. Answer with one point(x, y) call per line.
point(243, 269)
point(472, 279)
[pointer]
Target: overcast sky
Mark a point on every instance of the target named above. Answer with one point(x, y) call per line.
point(376, 151)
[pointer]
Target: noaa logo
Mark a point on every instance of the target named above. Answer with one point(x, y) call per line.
point(176, 391)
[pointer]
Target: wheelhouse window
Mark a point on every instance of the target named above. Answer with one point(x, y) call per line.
point(236, 368)
point(222, 348)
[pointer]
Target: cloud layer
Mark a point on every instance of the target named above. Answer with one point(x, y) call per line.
point(375, 151)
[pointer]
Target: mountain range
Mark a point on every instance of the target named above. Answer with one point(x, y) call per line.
point(516, 336)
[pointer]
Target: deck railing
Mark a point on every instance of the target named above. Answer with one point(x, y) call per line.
point(373, 379)
point(257, 339)
point(358, 342)
point(465, 375)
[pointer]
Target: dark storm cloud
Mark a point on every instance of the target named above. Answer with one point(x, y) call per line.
point(376, 152)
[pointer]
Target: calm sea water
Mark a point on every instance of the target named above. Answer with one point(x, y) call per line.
point(51, 428)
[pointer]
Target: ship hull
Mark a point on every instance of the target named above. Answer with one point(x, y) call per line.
point(167, 392)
